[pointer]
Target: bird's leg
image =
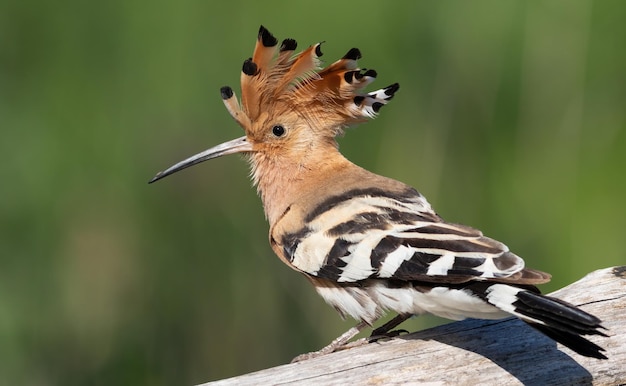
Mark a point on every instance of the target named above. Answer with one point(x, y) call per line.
point(334, 345)
point(384, 331)
point(341, 341)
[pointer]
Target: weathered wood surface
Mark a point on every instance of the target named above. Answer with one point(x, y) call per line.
point(473, 352)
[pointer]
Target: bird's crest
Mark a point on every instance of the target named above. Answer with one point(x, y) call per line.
point(275, 78)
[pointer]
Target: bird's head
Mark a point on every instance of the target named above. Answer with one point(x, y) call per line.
point(291, 108)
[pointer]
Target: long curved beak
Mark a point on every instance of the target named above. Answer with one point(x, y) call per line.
point(239, 145)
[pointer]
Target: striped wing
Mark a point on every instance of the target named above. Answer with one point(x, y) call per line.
point(371, 233)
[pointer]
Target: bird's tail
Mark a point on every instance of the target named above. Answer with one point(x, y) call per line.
point(559, 320)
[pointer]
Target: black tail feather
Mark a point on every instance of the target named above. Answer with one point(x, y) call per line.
point(573, 341)
point(561, 321)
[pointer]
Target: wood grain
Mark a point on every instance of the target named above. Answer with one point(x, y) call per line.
point(471, 352)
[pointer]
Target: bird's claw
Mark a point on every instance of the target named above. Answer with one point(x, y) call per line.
point(377, 335)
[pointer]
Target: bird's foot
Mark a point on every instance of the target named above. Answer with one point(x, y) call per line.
point(329, 349)
point(377, 335)
point(341, 343)
point(386, 330)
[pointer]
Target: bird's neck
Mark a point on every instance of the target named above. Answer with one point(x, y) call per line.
point(284, 181)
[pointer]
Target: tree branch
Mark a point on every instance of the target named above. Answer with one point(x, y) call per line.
point(470, 352)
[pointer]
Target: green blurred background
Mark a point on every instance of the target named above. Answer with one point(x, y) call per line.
point(510, 118)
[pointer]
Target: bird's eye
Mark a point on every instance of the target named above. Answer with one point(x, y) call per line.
point(278, 130)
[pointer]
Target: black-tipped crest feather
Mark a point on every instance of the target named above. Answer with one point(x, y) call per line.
point(288, 45)
point(226, 92)
point(249, 67)
point(275, 79)
point(353, 54)
point(267, 38)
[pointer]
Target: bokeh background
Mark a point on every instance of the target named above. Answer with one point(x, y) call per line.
point(510, 118)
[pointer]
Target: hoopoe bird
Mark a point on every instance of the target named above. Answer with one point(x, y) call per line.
point(368, 244)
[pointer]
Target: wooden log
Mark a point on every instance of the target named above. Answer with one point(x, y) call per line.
point(473, 352)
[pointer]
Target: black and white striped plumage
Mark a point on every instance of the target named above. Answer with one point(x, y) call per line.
point(369, 250)
point(369, 244)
